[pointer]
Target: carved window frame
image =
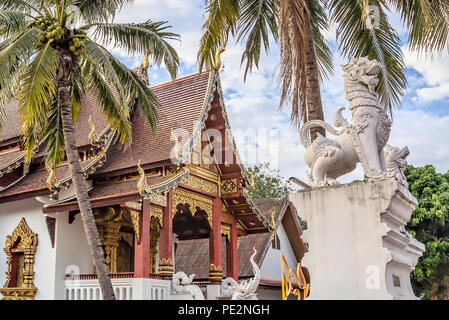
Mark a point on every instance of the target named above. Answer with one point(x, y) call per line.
point(22, 240)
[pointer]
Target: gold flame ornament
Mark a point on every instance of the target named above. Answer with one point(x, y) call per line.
point(273, 223)
point(51, 180)
point(177, 148)
point(93, 139)
point(287, 286)
point(142, 183)
point(251, 179)
point(218, 58)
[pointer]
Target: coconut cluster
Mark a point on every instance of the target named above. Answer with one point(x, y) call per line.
point(52, 30)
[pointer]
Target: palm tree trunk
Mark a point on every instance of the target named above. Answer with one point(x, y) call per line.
point(64, 71)
point(313, 94)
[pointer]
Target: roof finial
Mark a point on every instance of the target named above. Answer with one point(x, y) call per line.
point(51, 180)
point(142, 70)
point(273, 223)
point(251, 179)
point(142, 183)
point(222, 49)
point(93, 139)
point(218, 57)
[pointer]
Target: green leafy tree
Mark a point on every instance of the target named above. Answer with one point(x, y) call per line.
point(51, 54)
point(430, 225)
point(267, 183)
point(299, 26)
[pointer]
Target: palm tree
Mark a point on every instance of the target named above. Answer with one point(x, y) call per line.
point(51, 54)
point(299, 27)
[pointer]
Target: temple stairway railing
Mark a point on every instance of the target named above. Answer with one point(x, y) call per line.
point(87, 287)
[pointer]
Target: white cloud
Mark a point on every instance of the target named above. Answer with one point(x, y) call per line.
point(253, 105)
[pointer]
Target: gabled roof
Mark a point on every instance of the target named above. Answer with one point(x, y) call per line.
point(183, 103)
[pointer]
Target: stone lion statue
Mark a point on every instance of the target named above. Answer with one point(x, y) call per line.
point(363, 140)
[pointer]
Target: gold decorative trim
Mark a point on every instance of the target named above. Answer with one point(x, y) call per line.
point(194, 200)
point(215, 272)
point(159, 199)
point(165, 266)
point(21, 241)
point(226, 231)
point(201, 184)
point(135, 218)
point(158, 214)
point(229, 186)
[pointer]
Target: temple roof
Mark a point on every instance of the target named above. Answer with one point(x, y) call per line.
point(182, 104)
point(187, 104)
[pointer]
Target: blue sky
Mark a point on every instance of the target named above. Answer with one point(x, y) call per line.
point(422, 122)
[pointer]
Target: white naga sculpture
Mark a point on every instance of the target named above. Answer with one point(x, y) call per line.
point(363, 140)
point(246, 290)
point(181, 283)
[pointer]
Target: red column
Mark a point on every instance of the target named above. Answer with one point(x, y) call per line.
point(142, 248)
point(215, 268)
point(166, 240)
point(232, 262)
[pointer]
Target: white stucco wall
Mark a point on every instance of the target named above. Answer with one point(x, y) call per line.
point(44, 267)
point(271, 266)
point(72, 250)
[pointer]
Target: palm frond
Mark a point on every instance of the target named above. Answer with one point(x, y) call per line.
point(222, 16)
point(12, 21)
point(257, 20)
point(358, 39)
point(118, 114)
point(320, 23)
point(9, 90)
point(138, 39)
point(133, 87)
point(77, 90)
point(427, 23)
point(37, 89)
point(53, 135)
point(14, 51)
point(25, 6)
point(93, 11)
point(294, 31)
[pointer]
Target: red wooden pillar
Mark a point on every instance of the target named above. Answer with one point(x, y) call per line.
point(215, 268)
point(142, 248)
point(166, 240)
point(232, 262)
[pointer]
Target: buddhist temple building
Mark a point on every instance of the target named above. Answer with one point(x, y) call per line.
point(144, 202)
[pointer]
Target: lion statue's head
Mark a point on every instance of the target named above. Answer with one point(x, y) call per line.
point(362, 70)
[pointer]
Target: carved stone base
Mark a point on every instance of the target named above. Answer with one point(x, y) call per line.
point(358, 247)
point(18, 293)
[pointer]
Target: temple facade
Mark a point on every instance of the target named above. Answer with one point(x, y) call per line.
point(161, 189)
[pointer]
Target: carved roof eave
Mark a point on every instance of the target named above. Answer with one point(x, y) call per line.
point(215, 85)
point(165, 186)
point(98, 161)
point(256, 210)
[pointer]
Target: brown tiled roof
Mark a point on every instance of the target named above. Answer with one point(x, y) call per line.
point(266, 207)
point(181, 101)
point(37, 181)
point(192, 256)
point(10, 124)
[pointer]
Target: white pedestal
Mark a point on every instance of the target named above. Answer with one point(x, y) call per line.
point(358, 248)
point(213, 292)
